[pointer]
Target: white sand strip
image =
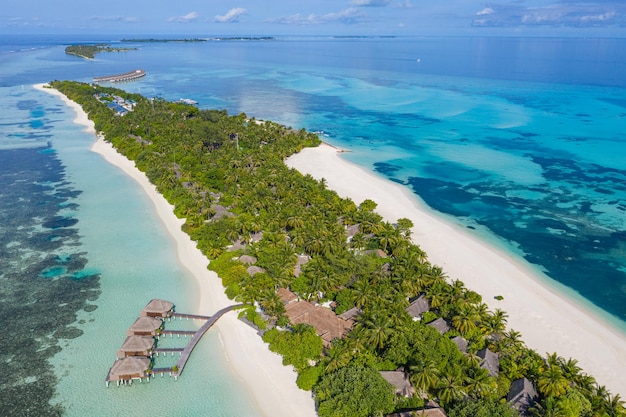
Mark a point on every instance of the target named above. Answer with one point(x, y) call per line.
point(271, 385)
point(547, 321)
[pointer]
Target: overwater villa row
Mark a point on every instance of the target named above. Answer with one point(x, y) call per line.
point(134, 359)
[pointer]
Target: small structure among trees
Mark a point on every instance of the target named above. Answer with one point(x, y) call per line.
point(522, 395)
point(400, 381)
point(490, 361)
point(418, 307)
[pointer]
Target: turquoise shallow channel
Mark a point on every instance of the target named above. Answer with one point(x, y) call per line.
point(521, 141)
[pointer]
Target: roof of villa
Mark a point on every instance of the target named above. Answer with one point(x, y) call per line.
point(247, 259)
point(440, 324)
point(460, 343)
point(131, 367)
point(400, 381)
point(418, 306)
point(157, 307)
point(522, 395)
point(490, 361)
point(144, 325)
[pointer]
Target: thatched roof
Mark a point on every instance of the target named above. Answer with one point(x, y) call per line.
point(522, 395)
point(128, 368)
point(220, 211)
point(440, 324)
point(427, 412)
point(136, 346)
point(256, 237)
point(247, 259)
point(350, 314)
point(490, 361)
point(460, 343)
point(236, 246)
point(252, 270)
point(400, 381)
point(376, 252)
point(145, 326)
point(418, 306)
point(286, 296)
point(353, 230)
point(158, 308)
point(326, 323)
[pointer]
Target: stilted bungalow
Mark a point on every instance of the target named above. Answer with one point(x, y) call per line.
point(145, 326)
point(136, 346)
point(127, 369)
point(158, 308)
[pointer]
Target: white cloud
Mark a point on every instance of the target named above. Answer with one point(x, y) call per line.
point(406, 4)
point(232, 16)
point(370, 3)
point(348, 16)
point(189, 17)
point(121, 19)
point(485, 11)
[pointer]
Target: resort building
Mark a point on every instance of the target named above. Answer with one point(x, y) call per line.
point(461, 343)
point(490, 361)
point(145, 326)
point(136, 346)
point(441, 325)
point(158, 308)
point(522, 396)
point(400, 381)
point(418, 307)
point(127, 369)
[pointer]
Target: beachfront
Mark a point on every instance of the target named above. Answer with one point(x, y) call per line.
point(469, 263)
point(547, 321)
point(270, 384)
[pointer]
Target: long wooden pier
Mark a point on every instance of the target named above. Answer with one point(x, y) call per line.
point(184, 357)
point(127, 76)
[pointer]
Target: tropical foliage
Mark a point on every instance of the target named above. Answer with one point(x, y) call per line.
point(225, 175)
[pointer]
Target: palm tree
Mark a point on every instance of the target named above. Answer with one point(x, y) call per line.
point(552, 383)
point(425, 376)
point(550, 407)
point(376, 328)
point(451, 388)
point(479, 383)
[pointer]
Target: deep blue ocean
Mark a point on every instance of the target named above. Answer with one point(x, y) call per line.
point(521, 140)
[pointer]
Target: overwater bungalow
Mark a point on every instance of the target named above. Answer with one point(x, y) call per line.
point(145, 326)
point(136, 346)
point(127, 369)
point(158, 308)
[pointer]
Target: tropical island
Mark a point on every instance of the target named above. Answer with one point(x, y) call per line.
point(154, 40)
point(90, 51)
point(371, 326)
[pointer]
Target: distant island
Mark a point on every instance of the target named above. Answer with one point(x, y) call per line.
point(152, 40)
point(90, 51)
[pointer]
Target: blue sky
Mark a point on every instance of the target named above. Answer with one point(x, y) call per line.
point(317, 17)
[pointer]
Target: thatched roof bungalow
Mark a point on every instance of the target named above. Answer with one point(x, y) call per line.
point(247, 259)
point(400, 381)
point(145, 326)
point(350, 314)
point(136, 346)
point(158, 308)
point(326, 323)
point(418, 307)
point(136, 367)
point(440, 324)
point(461, 343)
point(302, 260)
point(253, 270)
point(522, 395)
point(490, 361)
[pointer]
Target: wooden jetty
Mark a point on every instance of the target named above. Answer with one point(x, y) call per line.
point(135, 357)
point(127, 76)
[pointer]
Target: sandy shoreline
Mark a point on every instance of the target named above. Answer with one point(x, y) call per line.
point(271, 385)
point(547, 321)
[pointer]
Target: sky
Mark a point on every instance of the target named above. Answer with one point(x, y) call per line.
point(605, 18)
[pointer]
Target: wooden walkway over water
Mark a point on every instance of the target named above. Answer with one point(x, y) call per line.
point(184, 353)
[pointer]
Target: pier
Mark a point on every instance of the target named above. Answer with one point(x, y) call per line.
point(135, 358)
point(127, 76)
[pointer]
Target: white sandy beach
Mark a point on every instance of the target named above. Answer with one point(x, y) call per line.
point(547, 321)
point(271, 385)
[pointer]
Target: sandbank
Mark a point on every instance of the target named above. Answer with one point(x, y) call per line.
point(548, 321)
point(271, 385)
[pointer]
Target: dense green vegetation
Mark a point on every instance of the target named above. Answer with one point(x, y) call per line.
point(226, 176)
point(90, 51)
